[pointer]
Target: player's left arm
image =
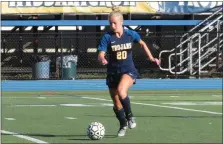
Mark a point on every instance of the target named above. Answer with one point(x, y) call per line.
point(148, 52)
point(137, 39)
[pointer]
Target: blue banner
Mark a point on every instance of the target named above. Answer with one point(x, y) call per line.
point(185, 7)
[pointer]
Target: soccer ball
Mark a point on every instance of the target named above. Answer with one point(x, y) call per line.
point(95, 131)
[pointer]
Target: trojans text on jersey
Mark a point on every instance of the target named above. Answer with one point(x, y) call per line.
point(119, 47)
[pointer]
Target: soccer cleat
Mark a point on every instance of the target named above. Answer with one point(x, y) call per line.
point(121, 131)
point(131, 123)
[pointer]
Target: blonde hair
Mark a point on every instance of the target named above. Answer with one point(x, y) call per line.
point(116, 12)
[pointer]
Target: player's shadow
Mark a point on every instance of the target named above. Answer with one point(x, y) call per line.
point(84, 137)
point(173, 116)
point(72, 137)
point(162, 116)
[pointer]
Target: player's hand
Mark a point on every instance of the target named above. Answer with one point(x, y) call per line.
point(104, 62)
point(157, 61)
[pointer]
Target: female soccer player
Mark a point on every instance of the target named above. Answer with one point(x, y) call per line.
point(121, 72)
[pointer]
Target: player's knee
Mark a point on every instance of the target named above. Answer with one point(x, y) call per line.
point(122, 92)
point(117, 105)
point(117, 102)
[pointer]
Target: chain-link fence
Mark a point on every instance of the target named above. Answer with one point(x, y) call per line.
point(73, 55)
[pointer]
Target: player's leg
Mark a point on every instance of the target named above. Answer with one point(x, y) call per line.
point(112, 82)
point(119, 111)
point(125, 83)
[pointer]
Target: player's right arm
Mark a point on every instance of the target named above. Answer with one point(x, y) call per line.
point(101, 58)
point(102, 48)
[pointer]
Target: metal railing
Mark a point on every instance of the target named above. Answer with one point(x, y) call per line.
point(206, 35)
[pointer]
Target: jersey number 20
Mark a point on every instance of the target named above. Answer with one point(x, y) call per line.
point(121, 55)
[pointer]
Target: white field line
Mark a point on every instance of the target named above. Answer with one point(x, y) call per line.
point(24, 137)
point(35, 105)
point(41, 97)
point(186, 109)
point(68, 105)
point(9, 118)
point(33, 97)
point(64, 96)
point(71, 118)
point(76, 105)
point(163, 106)
point(217, 95)
point(95, 98)
point(193, 103)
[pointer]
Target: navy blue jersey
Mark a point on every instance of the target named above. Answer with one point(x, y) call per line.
point(119, 51)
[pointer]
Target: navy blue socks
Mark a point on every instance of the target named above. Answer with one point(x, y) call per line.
point(120, 114)
point(127, 107)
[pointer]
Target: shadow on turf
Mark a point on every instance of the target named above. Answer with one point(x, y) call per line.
point(182, 116)
point(160, 116)
point(179, 100)
point(74, 137)
point(84, 137)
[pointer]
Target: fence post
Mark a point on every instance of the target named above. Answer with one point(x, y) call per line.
point(61, 54)
point(4, 46)
point(218, 45)
point(20, 46)
point(175, 54)
point(35, 41)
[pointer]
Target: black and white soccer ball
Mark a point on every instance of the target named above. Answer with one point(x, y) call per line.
point(95, 131)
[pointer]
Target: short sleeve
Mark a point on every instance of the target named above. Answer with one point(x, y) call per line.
point(103, 45)
point(136, 37)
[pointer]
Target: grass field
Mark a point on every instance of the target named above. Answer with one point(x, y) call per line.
point(189, 116)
